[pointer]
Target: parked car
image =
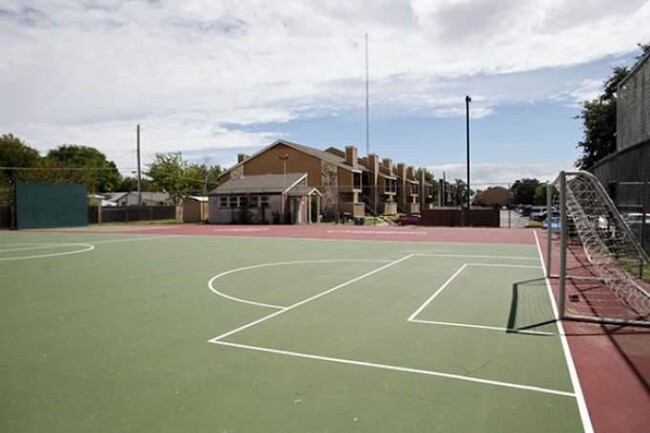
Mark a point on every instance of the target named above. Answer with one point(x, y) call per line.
point(541, 216)
point(635, 222)
point(409, 219)
point(635, 218)
point(555, 224)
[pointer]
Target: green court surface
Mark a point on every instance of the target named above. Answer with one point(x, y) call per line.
point(147, 333)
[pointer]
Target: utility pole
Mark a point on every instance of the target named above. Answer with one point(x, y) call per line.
point(139, 170)
point(443, 196)
point(367, 100)
point(467, 101)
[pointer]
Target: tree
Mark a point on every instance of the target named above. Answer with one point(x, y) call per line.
point(599, 119)
point(131, 184)
point(540, 194)
point(202, 178)
point(599, 123)
point(100, 174)
point(179, 179)
point(15, 153)
point(167, 172)
point(461, 191)
point(523, 191)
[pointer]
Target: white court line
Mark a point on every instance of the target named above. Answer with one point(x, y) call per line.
point(504, 265)
point(38, 247)
point(376, 232)
point(413, 316)
point(400, 369)
point(575, 381)
point(86, 248)
point(304, 301)
point(266, 265)
point(436, 293)
point(244, 230)
point(491, 328)
point(470, 256)
point(143, 238)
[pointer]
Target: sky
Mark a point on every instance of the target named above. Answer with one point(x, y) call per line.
point(212, 79)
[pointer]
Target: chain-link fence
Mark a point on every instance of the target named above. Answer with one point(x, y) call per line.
point(633, 106)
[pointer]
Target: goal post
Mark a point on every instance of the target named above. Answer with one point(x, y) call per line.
point(603, 272)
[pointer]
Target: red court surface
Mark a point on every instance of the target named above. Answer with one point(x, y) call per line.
point(613, 366)
point(344, 232)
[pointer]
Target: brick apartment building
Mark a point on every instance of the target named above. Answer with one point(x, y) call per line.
point(332, 183)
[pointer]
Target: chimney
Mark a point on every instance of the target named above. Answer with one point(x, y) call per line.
point(241, 157)
point(401, 170)
point(388, 165)
point(409, 172)
point(351, 155)
point(373, 162)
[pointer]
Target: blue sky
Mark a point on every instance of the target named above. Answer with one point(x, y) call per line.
point(213, 79)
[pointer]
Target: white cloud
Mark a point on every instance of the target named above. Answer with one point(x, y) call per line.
point(192, 70)
point(489, 174)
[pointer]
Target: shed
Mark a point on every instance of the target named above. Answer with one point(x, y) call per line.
point(195, 209)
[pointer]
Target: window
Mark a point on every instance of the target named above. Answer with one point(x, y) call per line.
point(234, 201)
point(264, 201)
point(254, 201)
point(356, 180)
point(390, 185)
point(243, 201)
point(223, 201)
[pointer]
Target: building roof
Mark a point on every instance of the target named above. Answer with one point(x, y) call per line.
point(303, 190)
point(264, 183)
point(200, 198)
point(320, 154)
point(114, 196)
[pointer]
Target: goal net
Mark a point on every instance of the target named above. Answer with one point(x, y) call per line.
point(604, 274)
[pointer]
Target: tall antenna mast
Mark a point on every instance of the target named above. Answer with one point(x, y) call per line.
point(367, 101)
point(139, 169)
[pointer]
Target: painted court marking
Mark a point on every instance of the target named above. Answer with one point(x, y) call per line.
point(281, 310)
point(311, 298)
point(413, 317)
point(378, 232)
point(400, 369)
point(243, 229)
point(469, 256)
point(573, 374)
point(266, 265)
point(83, 249)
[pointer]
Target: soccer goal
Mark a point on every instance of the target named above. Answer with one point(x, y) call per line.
point(603, 273)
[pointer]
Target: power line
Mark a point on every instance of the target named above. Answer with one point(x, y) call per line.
point(58, 168)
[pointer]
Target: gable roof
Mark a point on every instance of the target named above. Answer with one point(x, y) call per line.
point(263, 183)
point(317, 153)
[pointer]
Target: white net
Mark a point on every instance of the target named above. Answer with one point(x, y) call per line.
point(607, 272)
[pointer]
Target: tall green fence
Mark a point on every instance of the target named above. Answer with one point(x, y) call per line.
point(41, 205)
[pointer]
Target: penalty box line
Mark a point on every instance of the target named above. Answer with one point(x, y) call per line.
point(413, 317)
point(312, 298)
point(219, 341)
point(398, 369)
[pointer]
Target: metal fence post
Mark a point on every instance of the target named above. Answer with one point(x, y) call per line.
point(549, 234)
point(563, 244)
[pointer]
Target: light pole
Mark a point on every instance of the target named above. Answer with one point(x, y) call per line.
point(467, 101)
point(284, 159)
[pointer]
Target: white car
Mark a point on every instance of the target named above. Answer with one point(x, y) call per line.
point(635, 218)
